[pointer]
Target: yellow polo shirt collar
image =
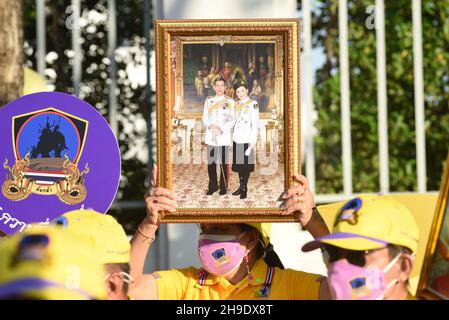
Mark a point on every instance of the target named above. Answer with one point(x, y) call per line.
point(258, 275)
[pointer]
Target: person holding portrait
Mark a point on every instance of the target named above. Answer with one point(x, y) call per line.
point(238, 261)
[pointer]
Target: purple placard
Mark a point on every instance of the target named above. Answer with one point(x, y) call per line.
point(57, 154)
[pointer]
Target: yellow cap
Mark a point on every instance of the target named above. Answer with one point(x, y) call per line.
point(107, 237)
point(47, 263)
point(264, 230)
point(371, 222)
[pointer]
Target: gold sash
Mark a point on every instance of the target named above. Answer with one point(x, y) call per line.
point(240, 106)
point(216, 105)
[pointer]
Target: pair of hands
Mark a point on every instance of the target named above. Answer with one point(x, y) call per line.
point(216, 131)
point(297, 200)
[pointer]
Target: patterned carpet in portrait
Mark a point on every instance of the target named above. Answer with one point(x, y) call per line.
point(190, 183)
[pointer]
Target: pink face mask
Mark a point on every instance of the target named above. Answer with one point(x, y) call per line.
point(220, 254)
point(350, 282)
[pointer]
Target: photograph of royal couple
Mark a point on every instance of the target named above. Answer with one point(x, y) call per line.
point(226, 117)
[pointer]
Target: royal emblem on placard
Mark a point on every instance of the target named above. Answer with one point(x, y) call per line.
point(48, 145)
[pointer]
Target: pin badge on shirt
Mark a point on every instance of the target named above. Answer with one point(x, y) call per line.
point(264, 292)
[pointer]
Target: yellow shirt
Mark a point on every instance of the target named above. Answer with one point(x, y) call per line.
point(410, 296)
point(288, 284)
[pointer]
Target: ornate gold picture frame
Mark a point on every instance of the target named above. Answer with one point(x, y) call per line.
point(239, 50)
point(434, 279)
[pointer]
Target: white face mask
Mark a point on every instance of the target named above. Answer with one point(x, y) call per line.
point(126, 277)
point(385, 270)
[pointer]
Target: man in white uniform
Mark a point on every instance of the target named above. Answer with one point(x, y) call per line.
point(218, 117)
point(245, 136)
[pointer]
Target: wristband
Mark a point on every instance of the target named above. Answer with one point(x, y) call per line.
point(146, 236)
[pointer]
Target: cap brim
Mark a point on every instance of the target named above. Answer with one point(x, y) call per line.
point(350, 241)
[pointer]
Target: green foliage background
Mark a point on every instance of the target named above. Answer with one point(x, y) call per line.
point(363, 95)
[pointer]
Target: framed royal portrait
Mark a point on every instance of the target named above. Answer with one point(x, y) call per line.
point(434, 279)
point(228, 117)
